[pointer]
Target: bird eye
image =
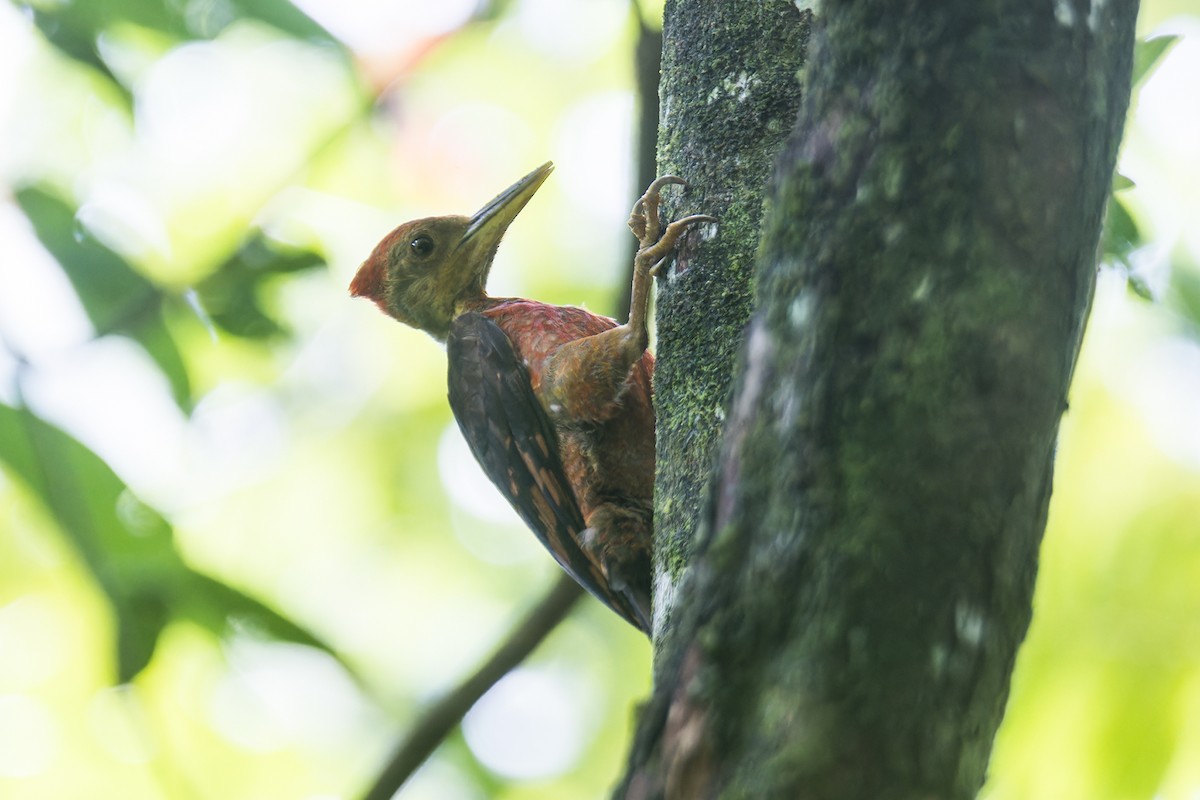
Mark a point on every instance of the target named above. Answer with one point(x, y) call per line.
point(421, 246)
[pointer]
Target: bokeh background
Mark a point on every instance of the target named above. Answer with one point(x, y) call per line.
point(241, 542)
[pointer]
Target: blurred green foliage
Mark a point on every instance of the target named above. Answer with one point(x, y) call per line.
point(126, 545)
point(1121, 238)
point(262, 431)
point(232, 296)
point(117, 299)
point(291, 491)
point(79, 29)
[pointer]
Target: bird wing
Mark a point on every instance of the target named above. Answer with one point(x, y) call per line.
point(515, 443)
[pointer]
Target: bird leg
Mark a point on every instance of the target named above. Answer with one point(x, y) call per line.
point(584, 378)
point(654, 247)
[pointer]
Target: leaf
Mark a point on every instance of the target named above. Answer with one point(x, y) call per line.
point(492, 10)
point(84, 496)
point(285, 17)
point(126, 545)
point(1121, 235)
point(1121, 182)
point(117, 298)
point(1183, 294)
point(75, 28)
point(141, 619)
point(73, 39)
point(215, 606)
point(1138, 285)
point(1119, 239)
point(110, 290)
point(232, 296)
point(1147, 53)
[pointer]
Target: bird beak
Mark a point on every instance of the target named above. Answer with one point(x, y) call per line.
point(490, 222)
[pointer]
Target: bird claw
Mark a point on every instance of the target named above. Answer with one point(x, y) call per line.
point(654, 243)
point(655, 246)
point(643, 219)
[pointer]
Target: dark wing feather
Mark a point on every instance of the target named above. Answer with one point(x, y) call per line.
point(514, 441)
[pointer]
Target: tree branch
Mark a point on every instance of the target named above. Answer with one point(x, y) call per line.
point(436, 723)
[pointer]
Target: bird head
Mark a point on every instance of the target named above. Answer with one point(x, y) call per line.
point(423, 272)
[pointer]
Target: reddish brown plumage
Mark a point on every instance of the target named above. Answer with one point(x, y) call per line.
point(606, 432)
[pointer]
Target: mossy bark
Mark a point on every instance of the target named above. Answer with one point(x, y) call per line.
point(861, 575)
point(729, 93)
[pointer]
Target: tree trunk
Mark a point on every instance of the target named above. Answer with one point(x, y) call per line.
point(847, 609)
point(728, 99)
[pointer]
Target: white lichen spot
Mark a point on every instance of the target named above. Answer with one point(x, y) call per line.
point(743, 85)
point(719, 413)
point(736, 86)
point(664, 598)
point(893, 233)
point(789, 408)
point(1064, 14)
point(761, 345)
point(1093, 20)
point(921, 293)
point(800, 310)
point(968, 624)
point(554, 407)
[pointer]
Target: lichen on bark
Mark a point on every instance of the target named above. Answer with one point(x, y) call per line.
point(727, 104)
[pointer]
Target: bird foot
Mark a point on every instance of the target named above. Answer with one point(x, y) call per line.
point(654, 243)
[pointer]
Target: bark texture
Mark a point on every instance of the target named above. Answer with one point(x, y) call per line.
point(729, 92)
point(862, 573)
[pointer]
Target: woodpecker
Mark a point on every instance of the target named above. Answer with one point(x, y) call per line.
point(554, 401)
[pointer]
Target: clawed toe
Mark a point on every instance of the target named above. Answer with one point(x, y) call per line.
point(683, 223)
point(652, 193)
point(657, 252)
point(646, 224)
point(654, 247)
